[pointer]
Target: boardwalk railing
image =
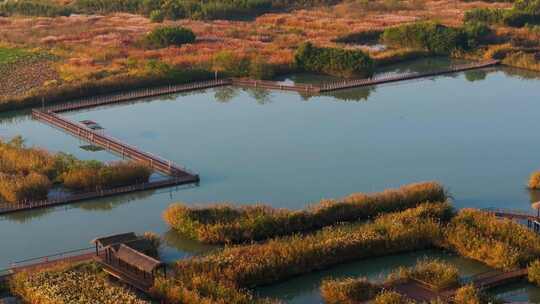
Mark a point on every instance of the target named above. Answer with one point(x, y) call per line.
point(6, 208)
point(273, 85)
point(346, 84)
point(96, 101)
point(56, 257)
point(510, 213)
point(112, 144)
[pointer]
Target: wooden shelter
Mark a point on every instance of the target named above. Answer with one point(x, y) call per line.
point(129, 255)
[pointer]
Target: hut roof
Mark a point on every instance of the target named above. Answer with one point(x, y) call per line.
point(140, 244)
point(137, 259)
point(115, 239)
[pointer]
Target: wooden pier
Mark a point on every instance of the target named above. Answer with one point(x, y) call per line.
point(274, 85)
point(114, 145)
point(423, 292)
point(356, 83)
point(102, 100)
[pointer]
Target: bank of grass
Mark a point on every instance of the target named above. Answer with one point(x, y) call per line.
point(436, 274)
point(255, 265)
point(534, 181)
point(229, 224)
point(83, 283)
point(29, 173)
point(348, 290)
point(499, 243)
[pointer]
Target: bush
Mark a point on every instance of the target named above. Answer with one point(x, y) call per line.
point(534, 181)
point(157, 16)
point(496, 242)
point(169, 35)
point(107, 6)
point(485, 15)
point(467, 295)
point(435, 273)
point(33, 8)
point(279, 259)
point(391, 297)
point(95, 175)
point(333, 61)
point(430, 36)
point(21, 188)
point(348, 291)
point(227, 224)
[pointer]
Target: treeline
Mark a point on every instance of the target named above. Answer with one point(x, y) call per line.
point(522, 13)
point(170, 9)
point(333, 61)
point(28, 174)
point(435, 38)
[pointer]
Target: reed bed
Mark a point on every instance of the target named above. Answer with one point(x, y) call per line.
point(500, 243)
point(534, 181)
point(66, 284)
point(29, 173)
point(254, 265)
point(436, 274)
point(349, 290)
point(229, 224)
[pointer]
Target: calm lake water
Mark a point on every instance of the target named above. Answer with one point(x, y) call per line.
point(473, 132)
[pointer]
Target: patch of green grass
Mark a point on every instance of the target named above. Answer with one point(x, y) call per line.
point(14, 55)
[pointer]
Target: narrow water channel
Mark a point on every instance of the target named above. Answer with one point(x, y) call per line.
point(474, 132)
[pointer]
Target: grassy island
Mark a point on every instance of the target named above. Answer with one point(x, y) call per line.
point(29, 173)
point(229, 224)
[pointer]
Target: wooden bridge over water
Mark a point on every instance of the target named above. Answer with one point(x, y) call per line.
point(177, 174)
point(423, 292)
point(357, 83)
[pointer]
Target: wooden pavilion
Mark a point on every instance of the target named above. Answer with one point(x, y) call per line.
point(129, 257)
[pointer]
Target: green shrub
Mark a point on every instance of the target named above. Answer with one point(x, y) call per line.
point(157, 16)
point(333, 61)
point(107, 6)
point(499, 243)
point(348, 291)
point(227, 224)
point(33, 8)
point(430, 36)
point(484, 15)
point(169, 35)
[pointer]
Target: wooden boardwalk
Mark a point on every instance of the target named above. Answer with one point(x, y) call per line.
point(356, 83)
point(511, 213)
point(421, 292)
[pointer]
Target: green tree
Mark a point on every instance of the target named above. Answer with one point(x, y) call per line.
point(170, 35)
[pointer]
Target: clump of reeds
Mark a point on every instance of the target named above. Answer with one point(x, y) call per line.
point(391, 297)
point(278, 259)
point(79, 283)
point(21, 188)
point(348, 290)
point(434, 273)
point(95, 175)
point(500, 243)
point(534, 181)
point(229, 224)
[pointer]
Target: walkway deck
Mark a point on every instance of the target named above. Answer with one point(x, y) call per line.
point(420, 292)
point(356, 83)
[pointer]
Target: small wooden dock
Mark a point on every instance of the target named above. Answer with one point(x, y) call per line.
point(356, 83)
point(274, 85)
point(422, 292)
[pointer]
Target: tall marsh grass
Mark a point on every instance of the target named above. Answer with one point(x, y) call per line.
point(279, 259)
point(500, 243)
point(229, 224)
point(436, 274)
